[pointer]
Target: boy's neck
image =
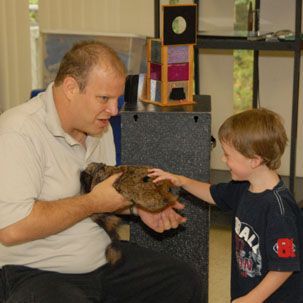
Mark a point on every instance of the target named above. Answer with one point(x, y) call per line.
point(263, 179)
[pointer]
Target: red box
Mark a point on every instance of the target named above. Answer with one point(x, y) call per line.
point(155, 71)
point(178, 72)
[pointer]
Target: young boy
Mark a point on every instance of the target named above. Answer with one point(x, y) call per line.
point(267, 232)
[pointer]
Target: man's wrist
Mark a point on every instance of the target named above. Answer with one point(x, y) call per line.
point(133, 210)
point(183, 181)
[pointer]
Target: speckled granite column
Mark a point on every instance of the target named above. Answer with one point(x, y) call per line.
point(176, 139)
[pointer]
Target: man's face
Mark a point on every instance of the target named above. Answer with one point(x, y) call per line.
point(94, 106)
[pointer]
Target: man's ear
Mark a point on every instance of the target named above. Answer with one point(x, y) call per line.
point(256, 161)
point(70, 87)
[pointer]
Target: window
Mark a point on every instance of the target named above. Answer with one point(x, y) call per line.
point(243, 62)
point(34, 36)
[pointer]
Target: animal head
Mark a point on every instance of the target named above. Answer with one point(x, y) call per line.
point(134, 184)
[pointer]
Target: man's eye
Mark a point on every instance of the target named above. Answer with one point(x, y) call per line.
point(103, 98)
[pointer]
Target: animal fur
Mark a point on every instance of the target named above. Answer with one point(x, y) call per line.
point(135, 185)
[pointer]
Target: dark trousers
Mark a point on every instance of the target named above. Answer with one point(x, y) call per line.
point(141, 276)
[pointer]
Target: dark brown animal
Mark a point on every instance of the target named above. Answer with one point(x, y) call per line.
point(135, 185)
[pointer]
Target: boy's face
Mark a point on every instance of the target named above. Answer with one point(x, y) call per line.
point(240, 166)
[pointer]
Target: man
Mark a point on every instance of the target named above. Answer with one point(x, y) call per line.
point(51, 251)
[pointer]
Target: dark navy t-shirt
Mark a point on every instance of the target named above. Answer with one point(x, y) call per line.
point(267, 236)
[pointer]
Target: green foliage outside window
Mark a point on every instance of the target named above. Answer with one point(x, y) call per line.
point(33, 14)
point(243, 75)
point(243, 62)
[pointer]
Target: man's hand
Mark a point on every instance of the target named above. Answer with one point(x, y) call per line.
point(163, 220)
point(104, 198)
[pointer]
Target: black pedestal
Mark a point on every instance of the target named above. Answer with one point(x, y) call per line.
point(176, 139)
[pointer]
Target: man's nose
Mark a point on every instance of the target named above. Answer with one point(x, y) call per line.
point(112, 107)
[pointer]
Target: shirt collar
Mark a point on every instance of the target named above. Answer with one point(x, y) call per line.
point(52, 118)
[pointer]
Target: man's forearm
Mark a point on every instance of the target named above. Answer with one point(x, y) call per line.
point(47, 218)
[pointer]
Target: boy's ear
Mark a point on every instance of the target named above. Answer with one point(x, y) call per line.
point(70, 87)
point(256, 161)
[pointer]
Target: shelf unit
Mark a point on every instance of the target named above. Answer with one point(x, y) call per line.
point(294, 46)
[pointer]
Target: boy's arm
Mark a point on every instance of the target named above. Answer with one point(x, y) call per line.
point(197, 188)
point(271, 282)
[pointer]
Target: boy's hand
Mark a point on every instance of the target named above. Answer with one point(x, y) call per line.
point(163, 220)
point(160, 175)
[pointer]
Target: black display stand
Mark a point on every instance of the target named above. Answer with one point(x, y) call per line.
point(177, 139)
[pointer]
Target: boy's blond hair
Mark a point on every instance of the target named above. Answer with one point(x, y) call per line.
point(256, 132)
point(83, 57)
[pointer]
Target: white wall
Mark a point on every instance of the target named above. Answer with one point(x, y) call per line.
point(276, 74)
point(216, 68)
point(103, 16)
point(15, 64)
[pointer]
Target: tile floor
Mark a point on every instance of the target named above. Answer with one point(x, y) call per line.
point(219, 264)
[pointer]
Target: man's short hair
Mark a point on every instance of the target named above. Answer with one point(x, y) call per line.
point(256, 132)
point(83, 57)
